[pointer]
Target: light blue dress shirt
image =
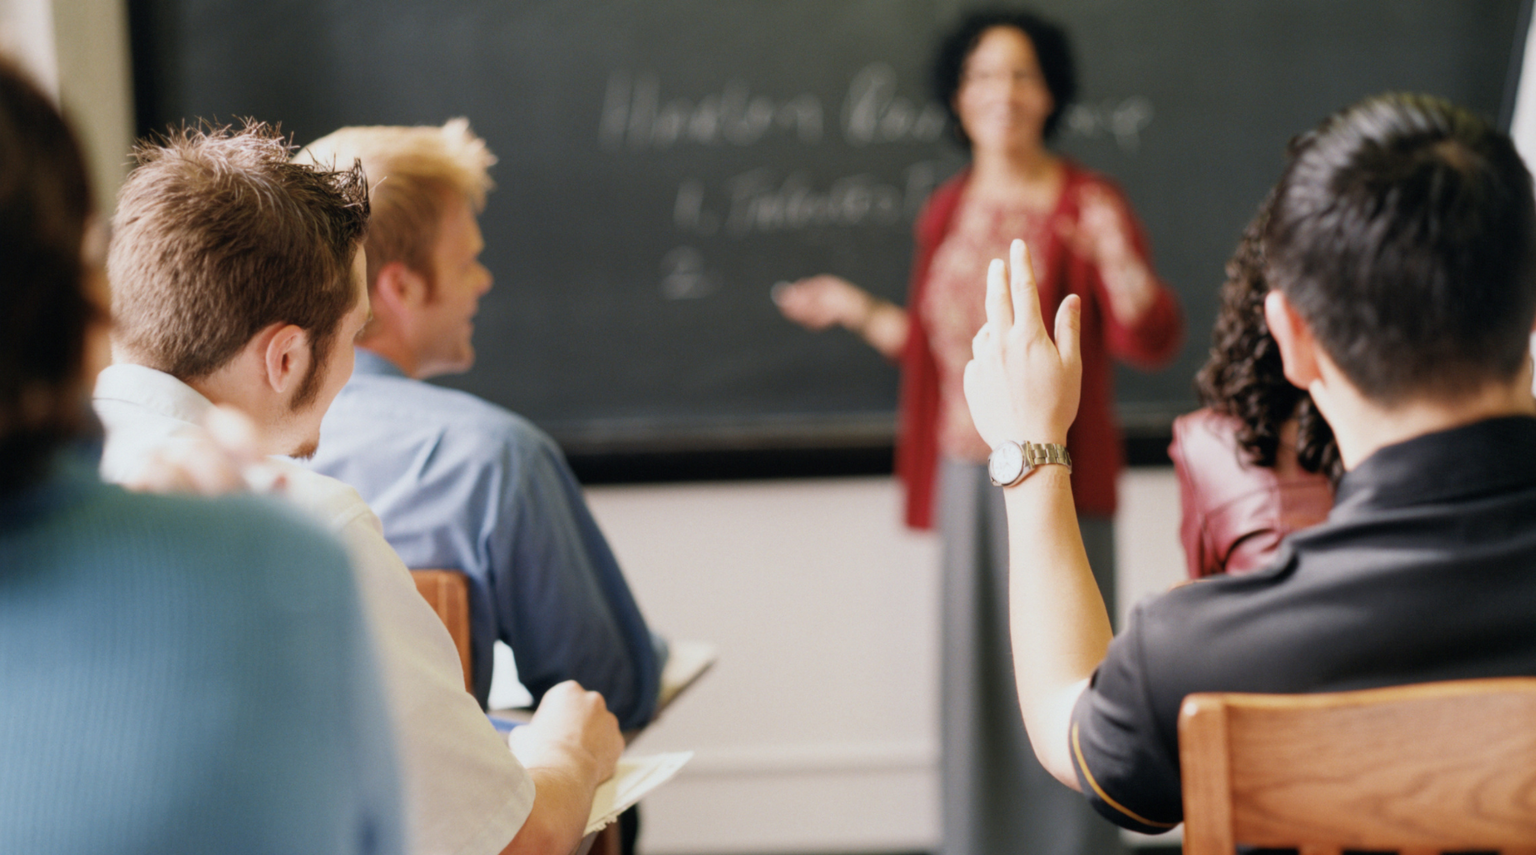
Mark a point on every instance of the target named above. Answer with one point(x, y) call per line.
point(182, 675)
point(462, 484)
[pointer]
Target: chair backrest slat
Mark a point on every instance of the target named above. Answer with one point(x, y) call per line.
point(1432, 767)
point(447, 592)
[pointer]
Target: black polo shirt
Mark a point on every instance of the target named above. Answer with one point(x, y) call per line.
point(1425, 570)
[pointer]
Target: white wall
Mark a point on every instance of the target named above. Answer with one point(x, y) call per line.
point(26, 34)
point(1522, 126)
point(817, 729)
point(96, 87)
point(77, 50)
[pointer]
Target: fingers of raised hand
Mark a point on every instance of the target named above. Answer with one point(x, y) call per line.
point(999, 309)
point(982, 341)
point(1026, 295)
point(1069, 324)
point(983, 396)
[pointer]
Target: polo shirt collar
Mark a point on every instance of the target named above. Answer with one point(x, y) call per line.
point(154, 390)
point(374, 365)
point(1484, 458)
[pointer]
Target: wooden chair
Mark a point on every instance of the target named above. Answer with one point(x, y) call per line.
point(1423, 768)
point(447, 591)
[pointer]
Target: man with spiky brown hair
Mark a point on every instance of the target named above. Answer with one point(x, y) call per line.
point(238, 279)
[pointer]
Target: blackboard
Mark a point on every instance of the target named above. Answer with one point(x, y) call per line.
point(664, 162)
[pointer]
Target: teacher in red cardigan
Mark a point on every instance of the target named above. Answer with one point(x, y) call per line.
point(1006, 77)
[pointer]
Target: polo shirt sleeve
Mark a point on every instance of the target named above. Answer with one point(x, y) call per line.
point(1123, 761)
point(465, 792)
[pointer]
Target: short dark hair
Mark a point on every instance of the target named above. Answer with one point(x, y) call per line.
point(218, 235)
point(1244, 377)
point(1052, 49)
point(1404, 232)
point(45, 202)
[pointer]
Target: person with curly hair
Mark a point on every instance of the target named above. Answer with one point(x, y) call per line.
point(1257, 462)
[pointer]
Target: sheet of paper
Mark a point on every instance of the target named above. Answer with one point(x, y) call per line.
point(686, 662)
point(634, 777)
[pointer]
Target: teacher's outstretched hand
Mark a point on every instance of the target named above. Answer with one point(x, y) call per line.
point(1020, 384)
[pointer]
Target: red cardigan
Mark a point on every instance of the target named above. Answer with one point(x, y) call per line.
point(1094, 439)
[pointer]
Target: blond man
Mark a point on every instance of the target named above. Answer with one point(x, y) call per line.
point(237, 279)
point(460, 482)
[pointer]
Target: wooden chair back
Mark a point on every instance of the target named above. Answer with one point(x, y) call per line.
point(447, 592)
point(1433, 767)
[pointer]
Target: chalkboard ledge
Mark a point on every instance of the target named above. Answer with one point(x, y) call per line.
point(1143, 447)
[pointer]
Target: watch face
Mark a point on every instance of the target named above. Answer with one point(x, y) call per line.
point(1006, 463)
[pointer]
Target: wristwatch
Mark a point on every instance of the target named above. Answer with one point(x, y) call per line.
point(1011, 461)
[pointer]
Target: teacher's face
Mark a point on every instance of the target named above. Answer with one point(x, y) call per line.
point(1003, 99)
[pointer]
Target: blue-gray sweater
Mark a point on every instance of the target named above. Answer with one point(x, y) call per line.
point(183, 675)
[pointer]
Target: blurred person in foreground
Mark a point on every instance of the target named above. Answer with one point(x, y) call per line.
point(459, 482)
point(179, 675)
point(1401, 256)
point(237, 278)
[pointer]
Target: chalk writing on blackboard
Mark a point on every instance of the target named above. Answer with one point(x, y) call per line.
point(1124, 119)
point(762, 201)
point(684, 277)
point(873, 112)
point(637, 114)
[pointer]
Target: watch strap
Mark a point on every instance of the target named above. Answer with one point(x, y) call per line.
point(1041, 453)
point(1034, 454)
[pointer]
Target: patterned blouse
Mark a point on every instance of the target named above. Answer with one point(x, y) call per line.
point(954, 305)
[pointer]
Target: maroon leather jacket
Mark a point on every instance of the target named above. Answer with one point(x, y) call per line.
point(1235, 512)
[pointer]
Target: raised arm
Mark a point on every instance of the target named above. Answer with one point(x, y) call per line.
point(818, 302)
point(1022, 386)
point(571, 745)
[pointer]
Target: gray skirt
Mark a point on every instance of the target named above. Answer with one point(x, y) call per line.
point(998, 799)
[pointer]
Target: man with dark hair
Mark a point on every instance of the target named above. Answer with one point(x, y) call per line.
point(459, 482)
point(238, 278)
point(1401, 247)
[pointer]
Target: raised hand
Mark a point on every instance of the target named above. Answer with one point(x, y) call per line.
point(1021, 385)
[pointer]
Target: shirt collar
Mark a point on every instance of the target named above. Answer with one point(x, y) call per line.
point(372, 364)
point(154, 390)
point(1483, 458)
